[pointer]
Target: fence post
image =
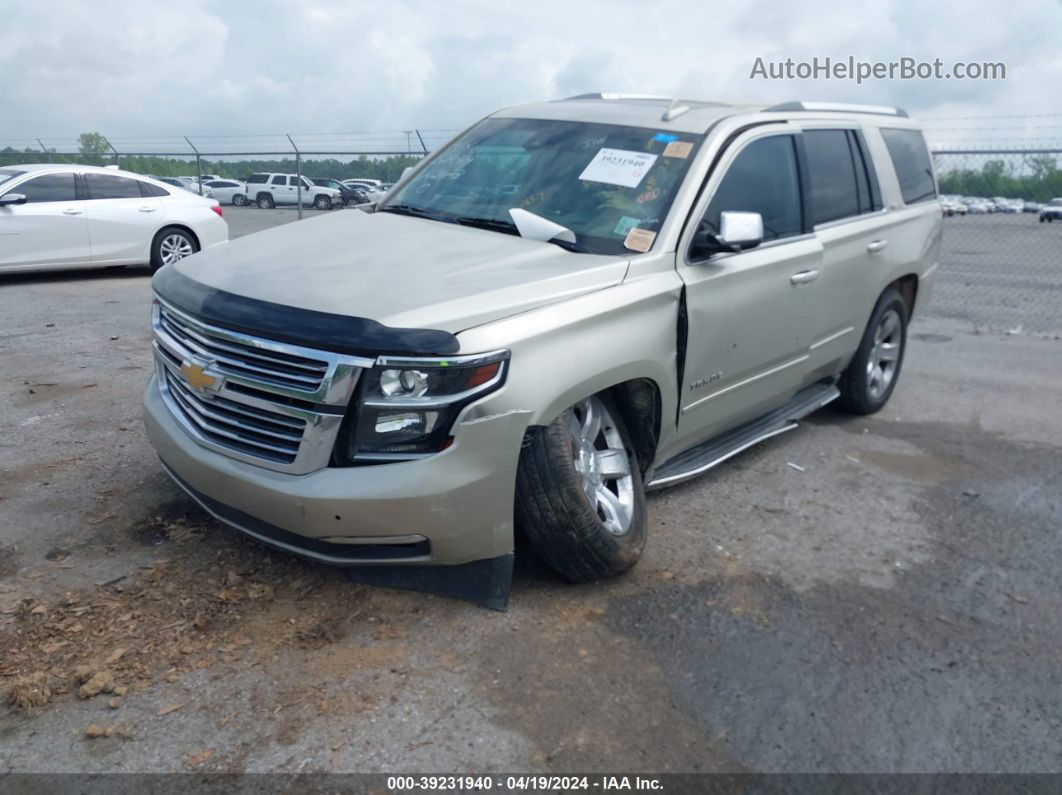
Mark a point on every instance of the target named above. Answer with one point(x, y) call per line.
point(117, 157)
point(47, 154)
point(423, 146)
point(198, 166)
point(298, 174)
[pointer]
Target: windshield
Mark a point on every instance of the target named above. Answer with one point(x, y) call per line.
point(8, 174)
point(611, 185)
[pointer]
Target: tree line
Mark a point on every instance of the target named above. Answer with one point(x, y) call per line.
point(1039, 180)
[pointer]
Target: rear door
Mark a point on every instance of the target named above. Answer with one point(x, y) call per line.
point(278, 186)
point(121, 220)
point(50, 229)
point(749, 321)
point(850, 222)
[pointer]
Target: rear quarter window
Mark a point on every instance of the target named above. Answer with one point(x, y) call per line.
point(148, 189)
point(257, 178)
point(910, 158)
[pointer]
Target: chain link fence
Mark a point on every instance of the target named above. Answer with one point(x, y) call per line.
point(1000, 268)
point(372, 155)
point(1001, 257)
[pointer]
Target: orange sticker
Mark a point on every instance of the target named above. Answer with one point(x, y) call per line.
point(678, 149)
point(639, 239)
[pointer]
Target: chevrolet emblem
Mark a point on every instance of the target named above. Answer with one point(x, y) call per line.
point(198, 378)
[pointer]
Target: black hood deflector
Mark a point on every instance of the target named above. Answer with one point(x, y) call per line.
point(306, 327)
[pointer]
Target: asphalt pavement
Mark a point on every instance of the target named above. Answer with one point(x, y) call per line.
point(874, 594)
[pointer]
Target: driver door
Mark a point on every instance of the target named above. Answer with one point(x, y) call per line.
point(750, 313)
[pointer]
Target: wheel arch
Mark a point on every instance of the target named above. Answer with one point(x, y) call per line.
point(907, 286)
point(176, 225)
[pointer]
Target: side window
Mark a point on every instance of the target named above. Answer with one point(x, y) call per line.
point(48, 188)
point(279, 179)
point(832, 175)
point(256, 179)
point(293, 182)
point(106, 186)
point(910, 158)
point(866, 176)
point(147, 189)
point(763, 178)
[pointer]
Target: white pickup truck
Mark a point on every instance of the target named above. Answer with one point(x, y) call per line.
point(269, 190)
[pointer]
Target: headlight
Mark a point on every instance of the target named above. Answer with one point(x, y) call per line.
point(405, 407)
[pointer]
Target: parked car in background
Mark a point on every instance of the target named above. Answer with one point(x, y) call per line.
point(1031, 207)
point(184, 184)
point(71, 216)
point(1052, 211)
point(1009, 206)
point(976, 206)
point(196, 180)
point(267, 190)
point(351, 196)
point(371, 188)
point(952, 205)
point(228, 191)
point(656, 286)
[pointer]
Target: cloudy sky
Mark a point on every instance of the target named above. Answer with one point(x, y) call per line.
point(270, 66)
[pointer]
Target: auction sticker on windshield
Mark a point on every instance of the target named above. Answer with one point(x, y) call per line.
point(618, 167)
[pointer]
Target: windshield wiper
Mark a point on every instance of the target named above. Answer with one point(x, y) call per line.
point(416, 212)
point(508, 227)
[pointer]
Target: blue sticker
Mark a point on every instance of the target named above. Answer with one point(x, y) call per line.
point(665, 137)
point(626, 224)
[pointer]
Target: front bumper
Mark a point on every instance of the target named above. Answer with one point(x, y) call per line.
point(449, 509)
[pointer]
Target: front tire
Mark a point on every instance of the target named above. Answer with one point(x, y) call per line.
point(322, 203)
point(867, 383)
point(171, 245)
point(579, 494)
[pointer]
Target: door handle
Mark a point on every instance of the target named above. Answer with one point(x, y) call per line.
point(804, 277)
point(877, 245)
point(147, 209)
point(72, 211)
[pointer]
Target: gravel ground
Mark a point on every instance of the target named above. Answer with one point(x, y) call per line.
point(893, 605)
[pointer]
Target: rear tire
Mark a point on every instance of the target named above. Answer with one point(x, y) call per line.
point(586, 451)
point(867, 383)
point(265, 202)
point(170, 245)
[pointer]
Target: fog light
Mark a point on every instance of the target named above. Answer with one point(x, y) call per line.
point(415, 421)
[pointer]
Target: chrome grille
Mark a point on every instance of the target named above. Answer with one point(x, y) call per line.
point(228, 423)
point(268, 403)
point(232, 356)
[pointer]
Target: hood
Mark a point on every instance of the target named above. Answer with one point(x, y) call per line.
point(400, 271)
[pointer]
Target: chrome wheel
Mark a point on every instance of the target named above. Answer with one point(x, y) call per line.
point(602, 464)
point(884, 354)
point(175, 247)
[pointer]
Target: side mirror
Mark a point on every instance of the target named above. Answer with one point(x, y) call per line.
point(12, 198)
point(738, 231)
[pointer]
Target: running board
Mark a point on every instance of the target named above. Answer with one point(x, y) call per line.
point(704, 456)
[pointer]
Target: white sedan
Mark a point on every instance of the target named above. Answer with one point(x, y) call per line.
point(70, 216)
point(228, 191)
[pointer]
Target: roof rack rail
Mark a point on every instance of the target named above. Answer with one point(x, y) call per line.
point(838, 107)
point(614, 95)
